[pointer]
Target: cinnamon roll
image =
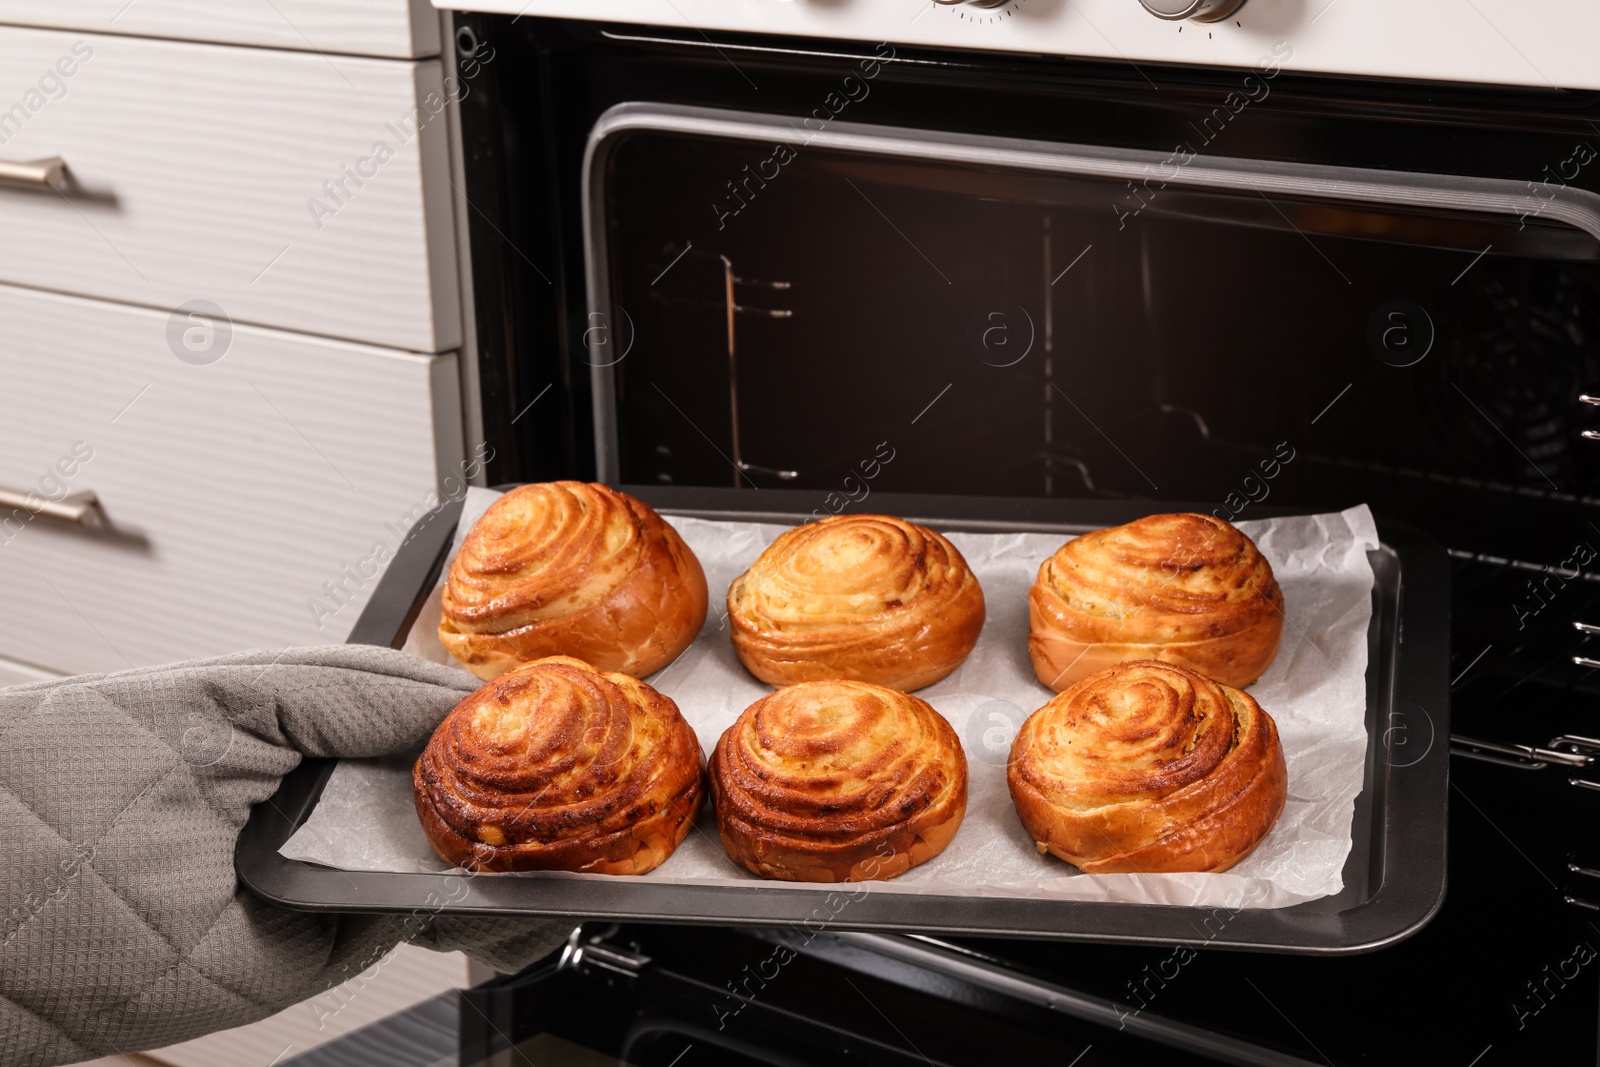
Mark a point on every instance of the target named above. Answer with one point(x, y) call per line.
point(575, 569)
point(837, 782)
point(1186, 589)
point(556, 766)
point(1148, 767)
point(866, 597)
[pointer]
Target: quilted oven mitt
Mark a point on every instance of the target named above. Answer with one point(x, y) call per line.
point(122, 926)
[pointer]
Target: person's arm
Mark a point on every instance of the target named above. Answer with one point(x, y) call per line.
point(122, 925)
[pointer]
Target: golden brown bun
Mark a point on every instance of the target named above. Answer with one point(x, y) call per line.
point(558, 767)
point(1146, 768)
point(1186, 589)
point(571, 569)
point(838, 782)
point(867, 597)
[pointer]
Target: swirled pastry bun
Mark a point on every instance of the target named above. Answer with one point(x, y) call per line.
point(1147, 767)
point(866, 597)
point(837, 782)
point(572, 569)
point(1185, 589)
point(556, 766)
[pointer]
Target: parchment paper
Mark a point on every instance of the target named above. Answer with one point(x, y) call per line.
point(1315, 690)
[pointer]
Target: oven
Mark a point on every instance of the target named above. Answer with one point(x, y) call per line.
point(1236, 258)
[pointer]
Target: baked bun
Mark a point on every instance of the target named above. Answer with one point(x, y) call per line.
point(838, 782)
point(866, 597)
point(571, 569)
point(1148, 768)
point(1186, 589)
point(556, 766)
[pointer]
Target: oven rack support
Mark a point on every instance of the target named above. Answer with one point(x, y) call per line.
point(1570, 751)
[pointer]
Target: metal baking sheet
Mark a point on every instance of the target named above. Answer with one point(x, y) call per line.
point(1394, 876)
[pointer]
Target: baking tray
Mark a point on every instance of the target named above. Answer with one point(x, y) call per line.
point(1394, 876)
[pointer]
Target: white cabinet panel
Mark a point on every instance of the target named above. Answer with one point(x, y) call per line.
point(14, 673)
point(401, 980)
point(239, 492)
point(400, 28)
point(291, 189)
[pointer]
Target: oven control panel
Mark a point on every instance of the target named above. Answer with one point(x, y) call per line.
point(1544, 43)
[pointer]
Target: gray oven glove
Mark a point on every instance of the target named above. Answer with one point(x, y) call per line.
point(121, 796)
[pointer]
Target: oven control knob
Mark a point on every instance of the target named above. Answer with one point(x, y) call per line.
point(1198, 10)
point(972, 3)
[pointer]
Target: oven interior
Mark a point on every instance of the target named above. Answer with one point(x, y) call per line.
point(1161, 355)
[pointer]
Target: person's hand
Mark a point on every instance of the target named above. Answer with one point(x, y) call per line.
point(122, 926)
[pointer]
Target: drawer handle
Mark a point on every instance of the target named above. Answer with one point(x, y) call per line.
point(45, 173)
point(80, 509)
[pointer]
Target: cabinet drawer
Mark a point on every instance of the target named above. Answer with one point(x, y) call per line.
point(399, 28)
point(250, 178)
point(251, 501)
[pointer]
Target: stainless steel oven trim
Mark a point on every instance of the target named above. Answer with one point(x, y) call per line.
point(1497, 196)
